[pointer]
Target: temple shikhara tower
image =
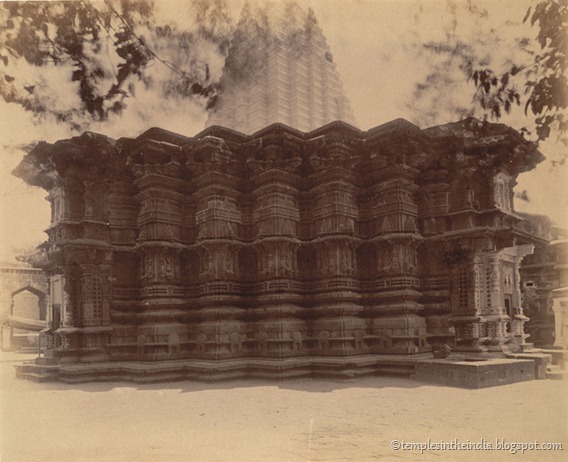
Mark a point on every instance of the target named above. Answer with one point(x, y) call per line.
point(279, 69)
point(286, 243)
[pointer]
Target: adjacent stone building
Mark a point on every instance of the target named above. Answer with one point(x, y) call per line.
point(560, 293)
point(542, 278)
point(283, 245)
point(23, 305)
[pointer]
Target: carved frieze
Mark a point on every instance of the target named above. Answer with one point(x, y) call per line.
point(273, 153)
point(218, 261)
point(217, 217)
point(160, 265)
point(277, 259)
point(336, 257)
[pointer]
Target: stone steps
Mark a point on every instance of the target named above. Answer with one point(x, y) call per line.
point(556, 373)
point(39, 376)
point(45, 361)
point(37, 372)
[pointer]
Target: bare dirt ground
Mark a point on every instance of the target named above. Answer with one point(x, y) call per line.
point(292, 420)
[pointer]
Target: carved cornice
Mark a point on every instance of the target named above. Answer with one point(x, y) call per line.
point(273, 152)
point(89, 156)
point(211, 153)
point(476, 143)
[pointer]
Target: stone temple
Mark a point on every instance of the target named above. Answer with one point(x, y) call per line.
point(288, 243)
point(281, 252)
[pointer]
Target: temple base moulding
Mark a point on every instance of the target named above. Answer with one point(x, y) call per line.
point(459, 370)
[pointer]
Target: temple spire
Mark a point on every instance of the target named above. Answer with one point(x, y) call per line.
point(279, 69)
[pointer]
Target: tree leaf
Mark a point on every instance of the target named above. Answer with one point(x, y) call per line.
point(527, 14)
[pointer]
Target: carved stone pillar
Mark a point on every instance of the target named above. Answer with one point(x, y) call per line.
point(277, 323)
point(278, 328)
point(485, 299)
point(512, 257)
point(336, 322)
point(80, 305)
point(393, 297)
point(464, 300)
point(161, 330)
point(435, 287)
point(433, 205)
point(490, 299)
point(216, 329)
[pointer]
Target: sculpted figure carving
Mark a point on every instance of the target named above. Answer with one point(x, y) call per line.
point(359, 339)
point(169, 271)
point(323, 340)
point(173, 343)
point(348, 259)
point(228, 259)
point(201, 339)
point(149, 263)
point(140, 342)
point(162, 267)
point(262, 341)
point(296, 340)
point(234, 342)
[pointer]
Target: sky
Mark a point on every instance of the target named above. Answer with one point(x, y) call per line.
point(377, 48)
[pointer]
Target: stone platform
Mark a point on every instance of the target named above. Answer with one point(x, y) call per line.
point(557, 370)
point(472, 373)
point(468, 372)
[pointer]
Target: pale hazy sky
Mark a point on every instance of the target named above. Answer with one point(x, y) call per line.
point(374, 44)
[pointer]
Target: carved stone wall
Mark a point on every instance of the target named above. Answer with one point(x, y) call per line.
point(283, 244)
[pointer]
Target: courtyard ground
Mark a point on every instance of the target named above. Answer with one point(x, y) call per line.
point(291, 420)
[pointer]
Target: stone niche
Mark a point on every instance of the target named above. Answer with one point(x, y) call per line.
point(283, 245)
